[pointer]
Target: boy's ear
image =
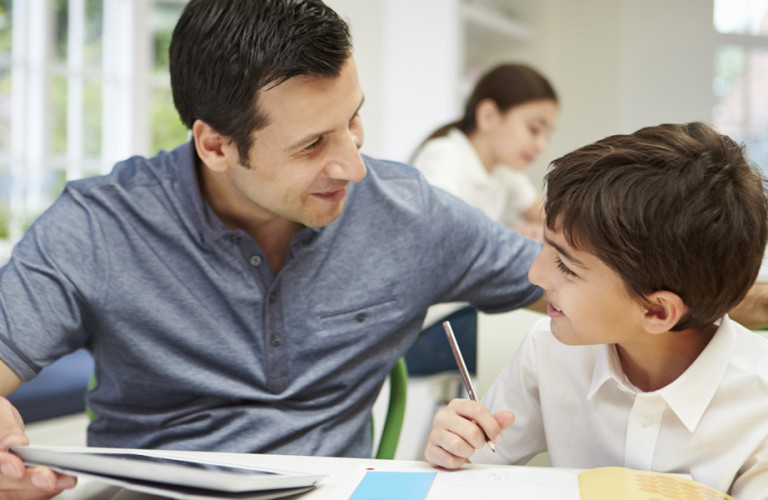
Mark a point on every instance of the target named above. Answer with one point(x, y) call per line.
point(665, 311)
point(212, 147)
point(486, 114)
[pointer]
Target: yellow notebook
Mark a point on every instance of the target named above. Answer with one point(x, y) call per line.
point(610, 483)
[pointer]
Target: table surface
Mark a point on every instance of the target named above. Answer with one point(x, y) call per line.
point(342, 474)
point(339, 483)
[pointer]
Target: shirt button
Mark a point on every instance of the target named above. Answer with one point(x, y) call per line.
point(255, 260)
point(360, 317)
point(646, 420)
point(272, 297)
point(275, 340)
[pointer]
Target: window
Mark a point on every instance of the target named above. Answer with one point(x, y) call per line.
point(6, 32)
point(83, 84)
point(741, 74)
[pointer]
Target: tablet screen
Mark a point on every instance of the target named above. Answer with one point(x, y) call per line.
point(233, 469)
point(194, 471)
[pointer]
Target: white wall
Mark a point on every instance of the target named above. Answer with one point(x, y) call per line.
point(368, 36)
point(406, 54)
point(617, 65)
point(623, 64)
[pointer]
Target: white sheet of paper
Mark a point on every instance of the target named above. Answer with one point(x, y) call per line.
point(490, 484)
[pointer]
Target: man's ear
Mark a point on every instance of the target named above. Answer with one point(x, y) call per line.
point(212, 147)
point(665, 311)
point(486, 114)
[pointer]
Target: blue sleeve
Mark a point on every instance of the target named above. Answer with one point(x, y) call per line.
point(475, 258)
point(56, 272)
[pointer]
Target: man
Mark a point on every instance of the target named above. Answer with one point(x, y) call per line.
point(248, 291)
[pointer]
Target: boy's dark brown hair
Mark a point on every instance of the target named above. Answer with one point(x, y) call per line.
point(670, 207)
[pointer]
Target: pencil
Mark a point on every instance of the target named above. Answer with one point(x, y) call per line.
point(464, 372)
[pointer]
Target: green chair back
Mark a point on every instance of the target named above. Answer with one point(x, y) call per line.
point(393, 422)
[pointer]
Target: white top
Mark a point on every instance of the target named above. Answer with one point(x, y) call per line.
point(576, 403)
point(451, 163)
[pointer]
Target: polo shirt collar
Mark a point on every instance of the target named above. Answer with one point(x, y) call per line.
point(208, 225)
point(691, 393)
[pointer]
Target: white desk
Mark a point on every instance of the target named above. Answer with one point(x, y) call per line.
point(342, 478)
point(337, 485)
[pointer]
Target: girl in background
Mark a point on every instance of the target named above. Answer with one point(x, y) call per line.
point(482, 158)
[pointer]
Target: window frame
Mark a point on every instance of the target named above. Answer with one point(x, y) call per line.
point(127, 83)
point(747, 42)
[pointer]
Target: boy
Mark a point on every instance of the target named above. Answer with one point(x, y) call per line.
point(650, 238)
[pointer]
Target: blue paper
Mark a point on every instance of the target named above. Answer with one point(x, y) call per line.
point(389, 485)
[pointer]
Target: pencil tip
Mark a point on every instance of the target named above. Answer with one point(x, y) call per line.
point(492, 446)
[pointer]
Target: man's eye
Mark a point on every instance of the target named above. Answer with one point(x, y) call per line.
point(565, 270)
point(314, 145)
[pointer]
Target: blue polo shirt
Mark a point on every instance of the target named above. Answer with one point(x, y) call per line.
point(198, 345)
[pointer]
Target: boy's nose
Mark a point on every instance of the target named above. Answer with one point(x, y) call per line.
point(536, 273)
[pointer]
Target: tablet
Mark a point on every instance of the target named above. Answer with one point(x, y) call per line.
point(165, 468)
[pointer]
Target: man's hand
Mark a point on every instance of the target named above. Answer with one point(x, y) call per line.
point(18, 482)
point(752, 312)
point(461, 428)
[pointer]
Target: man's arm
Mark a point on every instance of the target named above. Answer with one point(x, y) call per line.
point(752, 312)
point(16, 480)
point(9, 381)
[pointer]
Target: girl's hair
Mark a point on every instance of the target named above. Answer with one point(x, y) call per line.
point(507, 85)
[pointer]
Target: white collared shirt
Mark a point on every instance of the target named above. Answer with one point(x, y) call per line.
point(451, 163)
point(576, 403)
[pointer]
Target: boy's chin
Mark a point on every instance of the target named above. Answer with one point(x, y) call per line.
point(565, 335)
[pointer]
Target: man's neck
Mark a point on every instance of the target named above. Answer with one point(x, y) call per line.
point(660, 359)
point(272, 233)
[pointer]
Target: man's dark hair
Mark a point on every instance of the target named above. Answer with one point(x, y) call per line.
point(224, 51)
point(671, 207)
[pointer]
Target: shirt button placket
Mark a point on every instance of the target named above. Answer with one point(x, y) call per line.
point(277, 361)
point(643, 431)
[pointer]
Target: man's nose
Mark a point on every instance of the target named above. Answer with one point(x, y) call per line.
point(347, 164)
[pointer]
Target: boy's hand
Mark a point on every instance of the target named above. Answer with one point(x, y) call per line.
point(459, 429)
point(18, 482)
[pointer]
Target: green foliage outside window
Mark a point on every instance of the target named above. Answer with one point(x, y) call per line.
point(6, 17)
point(164, 124)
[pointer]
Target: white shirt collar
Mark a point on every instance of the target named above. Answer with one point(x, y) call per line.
point(691, 393)
point(475, 170)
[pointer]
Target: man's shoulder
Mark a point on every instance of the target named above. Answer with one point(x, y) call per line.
point(391, 182)
point(137, 188)
point(405, 186)
point(391, 170)
point(138, 170)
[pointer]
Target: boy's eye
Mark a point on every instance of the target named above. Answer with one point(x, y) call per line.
point(563, 268)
